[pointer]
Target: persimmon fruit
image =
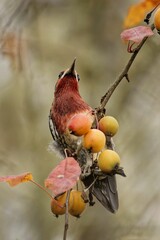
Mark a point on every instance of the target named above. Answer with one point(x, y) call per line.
point(108, 125)
point(80, 124)
point(94, 140)
point(108, 160)
point(78, 205)
point(157, 20)
point(61, 200)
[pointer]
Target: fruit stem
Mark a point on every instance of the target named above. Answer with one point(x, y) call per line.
point(86, 189)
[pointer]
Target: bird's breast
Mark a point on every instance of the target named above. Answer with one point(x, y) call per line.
point(65, 107)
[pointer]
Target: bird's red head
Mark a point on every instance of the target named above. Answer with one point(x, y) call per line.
point(67, 81)
point(67, 100)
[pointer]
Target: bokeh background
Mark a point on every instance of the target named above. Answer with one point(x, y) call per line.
point(40, 38)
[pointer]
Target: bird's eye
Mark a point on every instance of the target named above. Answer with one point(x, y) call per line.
point(78, 77)
point(60, 75)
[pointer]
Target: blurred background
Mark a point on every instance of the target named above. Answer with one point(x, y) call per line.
point(39, 39)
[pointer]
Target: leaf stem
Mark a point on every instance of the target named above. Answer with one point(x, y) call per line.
point(42, 188)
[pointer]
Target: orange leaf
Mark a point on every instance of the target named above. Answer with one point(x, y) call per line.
point(136, 34)
point(14, 180)
point(156, 2)
point(64, 176)
point(137, 12)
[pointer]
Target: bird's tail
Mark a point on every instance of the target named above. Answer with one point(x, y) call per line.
point(105, 190)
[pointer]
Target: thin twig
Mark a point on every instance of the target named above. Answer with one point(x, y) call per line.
point(86, 189)
point(123, 74)
point(66, 225)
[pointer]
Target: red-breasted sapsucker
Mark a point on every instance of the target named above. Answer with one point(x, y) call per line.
point(67, 103)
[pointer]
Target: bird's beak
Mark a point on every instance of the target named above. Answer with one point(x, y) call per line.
point(71, 70)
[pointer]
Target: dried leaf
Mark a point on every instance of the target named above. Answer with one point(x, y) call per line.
point(137, 12)
point(14, 180)
point(64, 176)
point(14, 47)
point(136, 34)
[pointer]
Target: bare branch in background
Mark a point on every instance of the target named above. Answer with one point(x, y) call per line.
point(123, 74)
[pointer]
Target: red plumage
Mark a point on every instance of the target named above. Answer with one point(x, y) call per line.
point(67, 103)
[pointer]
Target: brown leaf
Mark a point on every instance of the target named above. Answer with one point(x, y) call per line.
point(136, 34)
point(14, 180)
point(64, 176)
point(14, 47)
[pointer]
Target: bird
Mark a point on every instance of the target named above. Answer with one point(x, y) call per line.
point(67, 103)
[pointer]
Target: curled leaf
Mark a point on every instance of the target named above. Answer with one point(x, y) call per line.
point(64, 176)
point(136, 34)
point(14, 180)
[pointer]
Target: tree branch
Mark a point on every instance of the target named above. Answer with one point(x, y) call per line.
point(123, 74)
point(66, 225)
